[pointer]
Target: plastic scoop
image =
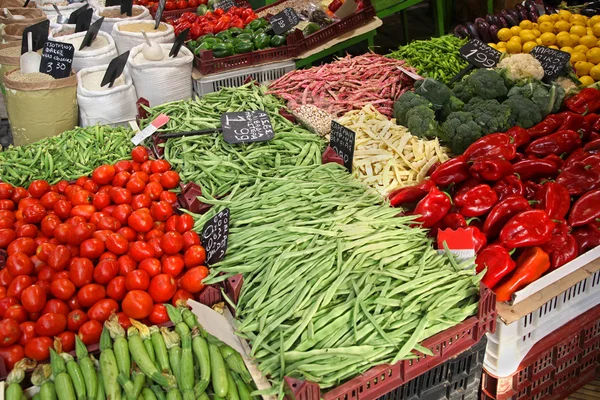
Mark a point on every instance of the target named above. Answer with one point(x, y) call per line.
point(10, 16)
point(30, 61)
point(151, 50)
point(60, 19)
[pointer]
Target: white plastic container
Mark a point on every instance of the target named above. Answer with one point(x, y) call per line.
point(89, 57)
point(139, 13)
point(126, 41)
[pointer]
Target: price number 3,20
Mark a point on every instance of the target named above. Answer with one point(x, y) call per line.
point(215, 235)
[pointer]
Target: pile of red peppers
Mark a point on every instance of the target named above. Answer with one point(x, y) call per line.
point(530, 195)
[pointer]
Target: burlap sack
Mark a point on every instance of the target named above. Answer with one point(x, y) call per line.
point(16, 4)
point(13, 32)
point(40, 109)
point(32, 16)
point(7, 63)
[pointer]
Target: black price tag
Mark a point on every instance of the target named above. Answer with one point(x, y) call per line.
point(57, 59)
point(159, 13)
point(115, 69)
point(480, 54)
point(214, 237)
point(112, 3)
point(84, 21)
point(75, 14)
point(341, 140)
point(179, 42)
point(553, 61)
point(127, 7)
point(284, 21)
point(225, 4)
point(91, 33)
point(246, 127)
point(39, 36)
point(26, 3)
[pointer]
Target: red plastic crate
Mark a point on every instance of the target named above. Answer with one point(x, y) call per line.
point(334, 30)
point(556, 366)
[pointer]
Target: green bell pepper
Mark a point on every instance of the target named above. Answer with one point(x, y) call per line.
point(245, 36)
point(277, 41)
point(258, 23)
point(212, 40)
point(192, 44)
point(257, 33)
point(224, 35)
point(311, 28)
point(205, 46)
point(244, 46)
point(202, 9)
point(221, 50)
point(262, 41)
point(235, 31)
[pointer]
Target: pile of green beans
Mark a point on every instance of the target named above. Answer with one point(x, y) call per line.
point(218, 166)
point(436, 58)
point(67, 156)
point(334, 281)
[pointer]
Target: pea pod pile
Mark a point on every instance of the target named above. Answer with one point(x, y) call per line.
point(334, 281)
point(219, 166)
point(67, 156)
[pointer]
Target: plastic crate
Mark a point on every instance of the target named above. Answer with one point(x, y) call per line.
point(457, 378)
point(334, 30)
point(556, 366)
point(207, 64)
point(261, 74)
point(511, 343)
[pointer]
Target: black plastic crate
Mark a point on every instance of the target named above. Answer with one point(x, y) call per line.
point(457, 379)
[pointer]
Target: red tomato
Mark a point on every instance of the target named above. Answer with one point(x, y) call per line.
point(170, 5)
point(169, 197)
point(62, 208)
point(152, 267)
point(74, 304)
point(56, 306)
point(141, 201)
point(19, 193)
point(194, 256)
point(172, 242)
point(140, 221)
point(153, 189)
point(84, 211)
point(27, 332)
point(6, 190)
point(109, 223)
point(44, 250)
point(117, 244)
point(135, 185)
point(81, 180)
point(59, 258)
point(101, 201)
point(5, 278)
point(104, 174)
point(161, 210)
point(19, 264)
point(10, 331)
point(124, 320)
point(82, 197)
point(90, 332)
point(121, 196)
point(160, 166)
point(11, 355)
point(7, 205)
point(192, 280)
point(141, 175)
point(45, 285)
point(116, 289)
point(18, 286)
point(81, 271)
point(49, 200)
point(97, 216)
point(62, 289)
point(123, 165)
point(156, 245)
point(16, 312)
point(162, 288)
point(181, 296)
point(75, 319)
point(27, 230)
point(91, 186)
point(126, 264)
point(7, 223)
point(137, 280)
point(155, 177)
point(67, 340)
point(5, 303)
point(128, 233)
point(90, 294)
point(154, 234)
point(159, 314)
point(141, 250)
point(146, 165)
point(50, 324)
point(105, 271)
point(190, 238)
point(60, 275)
point(173, 265)
point(38, 188)
point(137, 304)
point(139, 154)
point(185, 223)
point(122, 212)
point(24, 245)
point(91, 248)
point(181, 4)
point(102, 235)
point(102, 310)
point(6, 237)
point(121, 178)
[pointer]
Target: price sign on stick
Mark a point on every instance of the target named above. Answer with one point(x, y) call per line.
point(159, 13)
point(91, 34)
point(341, 140)
point(114, 70)
point(75, 14)
point(179, 42)
point(480, 54)
point(127, 7)
point(84, 20)
point(284, 21)
point(553, 61)
point(214, 237)
point(247, 127)
point(39, 34)
point(57, 59)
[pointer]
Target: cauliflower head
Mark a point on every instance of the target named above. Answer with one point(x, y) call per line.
point(521, 66)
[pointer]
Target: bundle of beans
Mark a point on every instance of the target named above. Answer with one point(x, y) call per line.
point(347, 84)
point(334, 281)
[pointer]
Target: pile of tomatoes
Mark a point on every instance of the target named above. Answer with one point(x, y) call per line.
point(171, 4)
point(77, 253)
point(213, 22)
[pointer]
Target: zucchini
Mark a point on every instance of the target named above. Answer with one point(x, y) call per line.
point(77, 378)
point(64, 387)
point(218, 372)
point(47, 391)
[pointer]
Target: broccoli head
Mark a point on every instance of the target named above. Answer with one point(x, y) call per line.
point(548, 98)
point(524, 112)
point(405, 102)
point(483, 83)
point(459, 131)
point(421, 122)
point(453, 104)
point(490, 115)
point(434, 91)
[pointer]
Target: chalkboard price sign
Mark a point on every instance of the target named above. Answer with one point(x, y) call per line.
point(480, 54)
point(342, 141)
point(226, 4)
point(284, 21)
point(247, 127)
point(57, 59)
point(214, 237)
point(553, 61)
point(159, 13)
point(39, 36)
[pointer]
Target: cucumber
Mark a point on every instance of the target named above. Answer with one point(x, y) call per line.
point(220, 382)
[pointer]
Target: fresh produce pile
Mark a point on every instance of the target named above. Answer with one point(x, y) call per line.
point(213, 22)
point(347, 84)
point(436, 58)
point(145, 362)
point(218, 166)
point(79, 252)
point(483, 102)
point(334, 281)
point(522, 195)
point(67, 156)
point(386, 155)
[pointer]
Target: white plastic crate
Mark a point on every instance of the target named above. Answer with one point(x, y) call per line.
point(262, 73)
point(509, 345)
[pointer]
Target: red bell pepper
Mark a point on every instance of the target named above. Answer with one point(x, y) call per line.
point(554, 199)
point(454, 221)
point(536, 169)
point(591, 120)
point(592, 147)
point(586, 209)
point(577, 155)
point(555, 159)
point(496, 145)
point(561, 248)
point(498, 263)
point(561, 226)
point(410, 194)
point(432, 208)
point(531, 188)
point(460, 190)
point(587, 237)
point(530, 266)
point(479, 239)
point(507, 186)
point(578, 179)
point(528, 228)
point(476, 201)
point(502, 212)
point(549, 125)
point(491, 169)
point(563, 141)
point(454, 170)
point(586, 101)
point(519, 136)
point(572, 122)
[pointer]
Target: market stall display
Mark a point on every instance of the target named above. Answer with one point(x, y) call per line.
point(113, 14)
point(100, 52)
point(128, 34)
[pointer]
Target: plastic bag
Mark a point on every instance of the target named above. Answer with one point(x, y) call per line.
point(126, 41)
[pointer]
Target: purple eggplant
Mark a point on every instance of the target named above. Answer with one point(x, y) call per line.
point(534, 13)
point(484, 30)
point(494, 33)
point(461, 31)
point(588, 12)
point(510, 20)
point(502, 22)
point(472, 30)
point(514, 14)
point(522, 11)
point(491, 19)
point(550, 9)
